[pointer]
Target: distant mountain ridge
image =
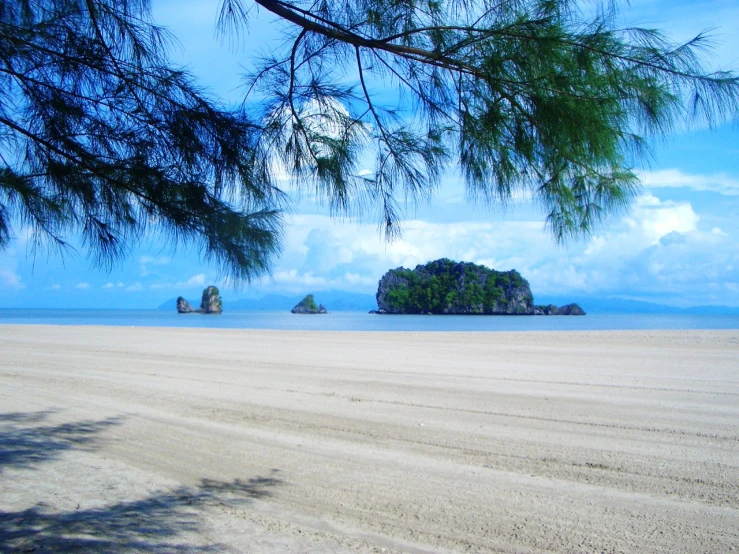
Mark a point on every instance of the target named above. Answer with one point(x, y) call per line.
point(610, 305)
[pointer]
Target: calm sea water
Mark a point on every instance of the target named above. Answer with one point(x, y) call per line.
point(353, 321)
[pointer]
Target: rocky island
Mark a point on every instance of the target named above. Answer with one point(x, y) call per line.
point(210, 303)
point(308, 306)
point(447, 287)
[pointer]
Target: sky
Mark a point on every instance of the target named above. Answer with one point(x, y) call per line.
point(678, 245)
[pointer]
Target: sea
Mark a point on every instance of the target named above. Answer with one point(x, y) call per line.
point(361, 321)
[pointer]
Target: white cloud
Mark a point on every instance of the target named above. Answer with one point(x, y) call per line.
point(613, 259)
point(319, 243)
point(660, 247)
point(657, 218)
point(720, 183)
point(135, 287)
point(9, 278)
point(110, 285)
point(198, 280)
point(321, 253)
point(659, 250)
point(83, 285)
point(162, 260)
point(295, 281)
point(55, 286)
point(147, 262)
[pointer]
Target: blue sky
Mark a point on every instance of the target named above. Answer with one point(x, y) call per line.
point(679, 244)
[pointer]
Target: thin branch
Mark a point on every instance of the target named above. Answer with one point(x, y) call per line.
point(370, 105)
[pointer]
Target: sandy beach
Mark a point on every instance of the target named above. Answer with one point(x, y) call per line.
point(120, 439)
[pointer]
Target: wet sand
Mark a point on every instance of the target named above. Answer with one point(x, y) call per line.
point(186, 440)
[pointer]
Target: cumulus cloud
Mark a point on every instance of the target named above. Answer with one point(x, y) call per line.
point(135, 287)
point(110, 285)
point(695, 268)
point(322, 253)
point(83, 285)
point(652, 219)
point(659, 247)
point(608, 262)
point(318, 244)
point(658, 251)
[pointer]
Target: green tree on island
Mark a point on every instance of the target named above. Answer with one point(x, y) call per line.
point(308, 306)
point(102, 136)
point(309, 303)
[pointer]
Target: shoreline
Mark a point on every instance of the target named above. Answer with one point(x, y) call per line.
point(360, 322)
point(724, 336)
point(163, 438)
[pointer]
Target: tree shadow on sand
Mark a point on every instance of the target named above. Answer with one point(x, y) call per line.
point(166, 521)
point(24, 443)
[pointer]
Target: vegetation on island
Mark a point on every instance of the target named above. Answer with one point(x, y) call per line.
point(308, 306)
point(105, 140)
point(446, 287)
point(309, 303)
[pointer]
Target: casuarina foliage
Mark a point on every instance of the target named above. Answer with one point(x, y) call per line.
point(101, 136)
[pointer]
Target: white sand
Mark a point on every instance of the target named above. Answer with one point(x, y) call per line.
point(143, 439)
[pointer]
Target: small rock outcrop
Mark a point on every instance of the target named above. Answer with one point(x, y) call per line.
point(210, 303)
point(183, 306)
point(571, 309)
point(551, 309)
point(308, 306)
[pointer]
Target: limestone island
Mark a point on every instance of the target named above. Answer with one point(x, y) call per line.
point(308, 306)
point(211, 303)
point(460, 288)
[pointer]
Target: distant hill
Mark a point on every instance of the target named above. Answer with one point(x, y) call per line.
point(170, 304)
point(600, 305)
point(334, 300)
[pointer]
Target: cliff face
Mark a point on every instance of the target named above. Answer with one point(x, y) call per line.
point(183, 306)
point(447, 287)
point(210, 303)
